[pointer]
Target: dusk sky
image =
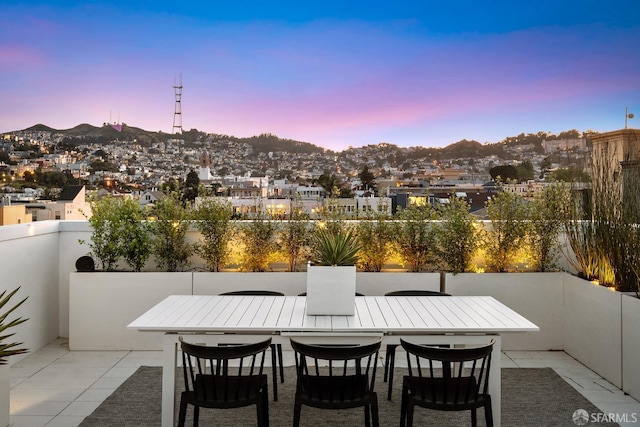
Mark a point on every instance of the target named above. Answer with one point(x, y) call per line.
point(333, 73)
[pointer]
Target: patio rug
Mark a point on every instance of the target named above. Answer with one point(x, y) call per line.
point(530, 397)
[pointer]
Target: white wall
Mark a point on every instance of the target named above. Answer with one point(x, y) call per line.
point(29, 260)
point(536, 296)
point(593, 327)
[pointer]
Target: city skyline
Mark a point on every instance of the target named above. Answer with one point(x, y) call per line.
point(332, 74)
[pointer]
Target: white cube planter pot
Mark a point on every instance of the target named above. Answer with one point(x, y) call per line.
point(331, 290)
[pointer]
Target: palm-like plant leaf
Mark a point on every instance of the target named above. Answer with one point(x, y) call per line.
point(335, 248)
point(9, 349)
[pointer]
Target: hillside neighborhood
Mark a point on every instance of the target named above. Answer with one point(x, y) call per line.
point(47, 173)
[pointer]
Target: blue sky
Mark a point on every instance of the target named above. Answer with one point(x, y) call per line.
point(333, 73)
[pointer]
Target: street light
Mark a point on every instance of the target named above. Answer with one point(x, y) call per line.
point(627, 115)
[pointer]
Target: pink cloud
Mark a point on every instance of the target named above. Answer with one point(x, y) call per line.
point(16, 58)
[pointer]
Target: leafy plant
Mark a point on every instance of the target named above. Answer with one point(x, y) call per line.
point(169, 230)
point(260, 242)
point(9, 349)
point(374, 235)
point(134, 236)
point(214, 221)
point(295, 237)
point(414, 237)
point(335, 248)
point(457, 236)
point(547, 216)
point(119, 231)
point(508, 213)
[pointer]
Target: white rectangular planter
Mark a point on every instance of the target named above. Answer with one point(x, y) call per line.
point(331, 290)
point(631, 345)
point(103, 304)
point(536, 296)
point(592, 327)
point(208, 283)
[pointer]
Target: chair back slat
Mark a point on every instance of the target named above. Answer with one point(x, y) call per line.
point(223, 373)
point(438, 384)
point(335, 373)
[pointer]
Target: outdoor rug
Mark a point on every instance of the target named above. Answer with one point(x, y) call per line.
point(530, 397)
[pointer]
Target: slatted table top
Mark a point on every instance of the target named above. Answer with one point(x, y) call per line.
point(380, 314)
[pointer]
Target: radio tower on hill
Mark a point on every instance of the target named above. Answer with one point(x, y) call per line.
point(177, 115)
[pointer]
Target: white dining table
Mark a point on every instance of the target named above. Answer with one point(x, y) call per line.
point(207, 319)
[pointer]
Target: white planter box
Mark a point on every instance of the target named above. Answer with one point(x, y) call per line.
point(592, 327)
point(631, 345)
point(331, 290)
point(536, 296)
point(289, 283)
point(103, 304)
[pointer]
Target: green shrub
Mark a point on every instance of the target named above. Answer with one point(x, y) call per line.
point(169, 230)
point(415, 238)
point(214, 221)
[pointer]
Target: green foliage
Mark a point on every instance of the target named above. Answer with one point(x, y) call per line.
point(191, 187)
point(504, 173)
point(135, 240)
point(457, 236)
point(119, 231)
point(9, 349)
point(260, 240)
point(570, 174)
point(374, 234)
point(415, 238)
point(367, 179)
point(334, 247)
point(547, 216)
point(295, 237)
point(169, 230)
point(525, 171)
point(216, 226)
point(508, 213)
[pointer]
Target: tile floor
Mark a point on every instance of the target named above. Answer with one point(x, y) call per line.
point(55, 387)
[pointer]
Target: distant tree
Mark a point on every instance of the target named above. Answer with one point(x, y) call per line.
point(525, 171)
point(52, 179)
point(545, 165)
point(504, 173)
point(367, 179)
point(191, 185)
point(5, 158)
point(29, 176)
point(100, 165)
point(570, 175)
point(171, 186)
point(335, 186)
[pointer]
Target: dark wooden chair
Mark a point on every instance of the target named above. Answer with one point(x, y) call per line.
point(429, 386)
point(304, 294)
point(336, 377)
point(390, 354)
point(224, 377)
point(276, 349)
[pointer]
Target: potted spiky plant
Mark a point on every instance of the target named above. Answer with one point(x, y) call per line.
point(7, 349)
point(331, 274)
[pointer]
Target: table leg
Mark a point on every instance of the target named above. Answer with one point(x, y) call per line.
point(169, 359)
point(495, 380)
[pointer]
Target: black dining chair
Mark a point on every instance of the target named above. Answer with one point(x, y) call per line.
point(336, 377)
point(390, 354)
point(304, 294)
point(276, 349)
point(428, 385)
point(224, 377)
